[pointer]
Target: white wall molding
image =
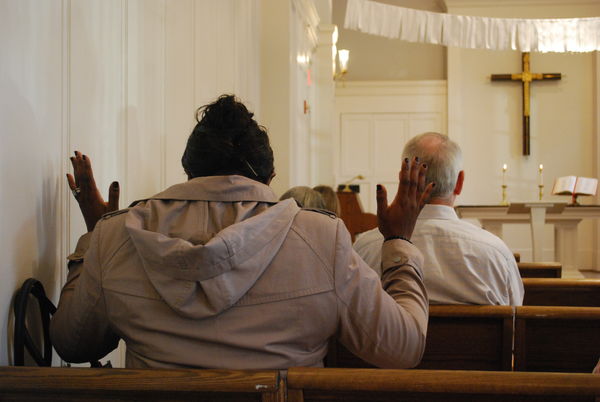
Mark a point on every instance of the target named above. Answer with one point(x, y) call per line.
point(308, 13)
point(380, 88)
point(324, 110)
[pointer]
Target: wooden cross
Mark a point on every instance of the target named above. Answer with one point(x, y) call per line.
point(526, 77)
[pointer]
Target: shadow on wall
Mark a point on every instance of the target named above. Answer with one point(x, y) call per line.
point(29, 207)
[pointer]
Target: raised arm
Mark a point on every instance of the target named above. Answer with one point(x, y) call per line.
point(385, 322)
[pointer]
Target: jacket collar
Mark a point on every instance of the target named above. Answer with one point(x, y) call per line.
point(231, 188)
point(434, 211)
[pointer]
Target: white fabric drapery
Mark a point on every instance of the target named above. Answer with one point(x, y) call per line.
point(536, 35)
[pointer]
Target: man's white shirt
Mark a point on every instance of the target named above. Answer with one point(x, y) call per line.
point(464, 264)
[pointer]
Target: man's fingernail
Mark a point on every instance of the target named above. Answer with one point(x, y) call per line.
point(83, 157)
point(417, 158)
point(405, 160)
point(425, 165)
point(379, 187)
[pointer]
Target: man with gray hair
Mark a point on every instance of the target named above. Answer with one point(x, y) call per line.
point(464, 264)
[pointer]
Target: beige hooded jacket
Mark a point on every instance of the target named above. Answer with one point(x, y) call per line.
point(216, 273)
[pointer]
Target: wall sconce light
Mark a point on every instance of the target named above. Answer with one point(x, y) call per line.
point(343, 58)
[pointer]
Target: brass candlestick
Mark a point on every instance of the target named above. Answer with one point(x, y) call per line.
point(541, 186)
point(504, 199)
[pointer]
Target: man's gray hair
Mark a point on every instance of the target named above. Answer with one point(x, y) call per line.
point(443, 158)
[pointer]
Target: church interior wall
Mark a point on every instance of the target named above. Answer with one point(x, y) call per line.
point(400, 60)
point(486, 119)
point(118, 80)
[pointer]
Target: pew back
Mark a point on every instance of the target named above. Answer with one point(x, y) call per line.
point(459, 337)
point(561, 292)
point(561, 339)
point(309, 384)
point(540, 269)
point(85, 384)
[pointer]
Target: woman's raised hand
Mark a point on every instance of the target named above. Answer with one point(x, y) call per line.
point(399, 218)
point(83, 187)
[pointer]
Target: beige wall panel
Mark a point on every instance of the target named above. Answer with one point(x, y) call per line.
point(31, 167)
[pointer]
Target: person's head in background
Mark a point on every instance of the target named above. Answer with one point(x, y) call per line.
point(443, 158)
point(228, 141)
point(330, 199)
point(306, 197)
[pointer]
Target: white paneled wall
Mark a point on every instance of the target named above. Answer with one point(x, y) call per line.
point(31, 150)
point(119, 80)
point(373, 121)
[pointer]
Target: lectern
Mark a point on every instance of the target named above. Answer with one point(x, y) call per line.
point(352, 213)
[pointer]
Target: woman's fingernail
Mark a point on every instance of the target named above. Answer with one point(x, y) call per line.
point(417, 158)
point(433, 185)
point(405, 160)
point(83, 157)
point(115, 185)
point(379, 187)
point(425, 165)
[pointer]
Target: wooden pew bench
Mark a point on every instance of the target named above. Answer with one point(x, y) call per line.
point(540, 269)
point(86, 384)
point(350, 385)
point(459, 337)
point(560, 339)
point(561, 292)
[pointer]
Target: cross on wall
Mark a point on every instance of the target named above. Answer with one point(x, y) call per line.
point(526, 77)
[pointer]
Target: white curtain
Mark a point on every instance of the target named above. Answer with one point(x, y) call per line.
point(537, 35)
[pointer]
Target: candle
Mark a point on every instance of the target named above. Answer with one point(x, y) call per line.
point(504, 167)
point(541, 174)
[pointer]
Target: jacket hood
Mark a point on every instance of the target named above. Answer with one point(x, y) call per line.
point(202, 280)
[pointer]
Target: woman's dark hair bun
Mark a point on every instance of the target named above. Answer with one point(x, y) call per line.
point(227, 140)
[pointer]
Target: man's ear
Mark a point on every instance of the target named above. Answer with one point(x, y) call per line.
point(459, 182)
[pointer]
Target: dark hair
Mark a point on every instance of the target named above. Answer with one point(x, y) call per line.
point(226, 141)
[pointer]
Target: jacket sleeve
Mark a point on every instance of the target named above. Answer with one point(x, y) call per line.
point(79, 329)
point(383, 321)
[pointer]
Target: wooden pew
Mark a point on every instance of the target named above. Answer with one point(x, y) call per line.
point(562, 339)
point(85, 384)
point(561, 292)
point(350, 385)
point(540, 269)
point(459, 337)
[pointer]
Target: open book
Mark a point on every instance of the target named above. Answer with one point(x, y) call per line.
point(573, 185)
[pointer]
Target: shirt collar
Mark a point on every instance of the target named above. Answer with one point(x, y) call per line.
point(435, 211)
point(231, 188)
